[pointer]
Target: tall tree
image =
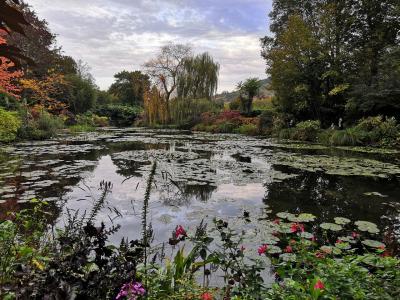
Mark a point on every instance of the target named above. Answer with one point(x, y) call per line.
point(198, 78)
point(37, 43)
point(129, 87)
point(164, 69)
point(248, 90)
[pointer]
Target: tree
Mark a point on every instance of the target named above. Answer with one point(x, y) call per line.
point(129, 87)
point(155, 107)
point(8, 73)
point(250, 88)
point(46, 92)
point(198, 77)
point(164, 69)
point(81, 95)
point(12, 19)
point(36, 42)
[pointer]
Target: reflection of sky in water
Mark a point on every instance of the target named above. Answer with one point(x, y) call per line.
point(201, 176)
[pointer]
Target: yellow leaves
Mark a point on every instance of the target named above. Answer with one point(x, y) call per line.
point(339, 89)
point(38, 264)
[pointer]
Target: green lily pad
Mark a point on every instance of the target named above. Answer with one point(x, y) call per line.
point(373, 243)
point(303, 218)
point(343, 245)
point(285, 215)
point(367, 226)
point(331, 250)
point(307, 235)
point(284, 228)
point(331, 226)
point(274, 249)
point(348, 239)
point(341, 221)
point(288, 257)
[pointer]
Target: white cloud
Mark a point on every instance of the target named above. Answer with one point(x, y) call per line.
point(115, 35)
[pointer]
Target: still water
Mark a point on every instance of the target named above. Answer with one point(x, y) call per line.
point(199, 176)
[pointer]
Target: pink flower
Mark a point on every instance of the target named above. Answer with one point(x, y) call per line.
point(301, 227)
point(262, 249)
point(131, 291)
point(206, 296)
point(355, 235)
point(381, 247)
point(242, 248)
point(277, 221)
point(288, 249)
point(313, 238)
point(339, 241)
point(319, 285)
point(292, 242)
point(319, 254)
point(179, 231)
point(293, 227)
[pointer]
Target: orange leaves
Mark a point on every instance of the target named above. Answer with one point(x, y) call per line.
point(44, 92)
point(155, 107)
point(8, 76)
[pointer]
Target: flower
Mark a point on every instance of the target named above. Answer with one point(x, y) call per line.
point(242, 248)
point(339, 241)
point(288, 249)
point(319, 285)
point(381, 247)
point(206, 296)
point(179, 231)
point(262, 249)
point(319, 254)
point(293, 227)
point(292, 242)
point(131, 290)
point(277, 221)
point(355, 235)
point(313, 238)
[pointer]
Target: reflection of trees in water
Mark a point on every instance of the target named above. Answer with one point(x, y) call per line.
point(200, 192)
point(129, 168)
point(330, 196)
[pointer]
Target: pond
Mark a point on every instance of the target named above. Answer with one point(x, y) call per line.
point(200, 176)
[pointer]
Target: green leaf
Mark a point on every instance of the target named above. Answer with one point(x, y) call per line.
point(373, 243)
point(341, 221)
point(285, 215)
point(331, 226)
point(367, 226)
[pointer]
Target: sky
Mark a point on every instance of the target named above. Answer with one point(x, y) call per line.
point(117, 35)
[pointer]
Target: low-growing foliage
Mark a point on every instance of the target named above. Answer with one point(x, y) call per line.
point(10, 123)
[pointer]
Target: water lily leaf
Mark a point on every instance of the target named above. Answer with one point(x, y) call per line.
point(341, 221)
point(284, 228)
point(331, 226)
point(285, 215)
point(373, 244)
point(274, 249)
point(367, 226)
point(307, 235)
point(306, 217)
point(348, 239)
point(288, 257)
point(343, 245)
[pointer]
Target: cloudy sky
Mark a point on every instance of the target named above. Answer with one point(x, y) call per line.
point(112, 35)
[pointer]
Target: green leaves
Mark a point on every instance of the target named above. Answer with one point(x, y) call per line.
point(367, 226)
point(331, 226)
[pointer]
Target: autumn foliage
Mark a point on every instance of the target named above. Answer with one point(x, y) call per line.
point(8, 74)
point(155, 107)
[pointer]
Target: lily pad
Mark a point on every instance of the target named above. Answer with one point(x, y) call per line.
point(274, 249)
point(285, 215)
point(331, 226)
point(331, 250)
point(341, 221)
point(373, 244)
point(367, 226)
point(307, 235)
point(343, 245)
point(306, 217)
point(288, 257)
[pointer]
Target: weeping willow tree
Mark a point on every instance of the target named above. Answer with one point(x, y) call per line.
point(198, 78)
point(155, 107)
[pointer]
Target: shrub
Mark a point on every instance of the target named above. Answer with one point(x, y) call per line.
point(248, 129)
point(10, 123)
point(347, 137)
point(266, 121)
point(120, 115)
point(306, 131)
point(100, 121)
point(43, 126)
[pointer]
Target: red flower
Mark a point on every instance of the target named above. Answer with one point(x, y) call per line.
point(262, 249)
point(179, 231)
point(355, 235)
point(242, 248)
point(339, 241)
point(319, 254)
point(288, 249)
point(206, 296)
point(319, 285)
point(277, 221)
point(301, 227)
point(381, 247)
point(293, 227)
point(292, 242)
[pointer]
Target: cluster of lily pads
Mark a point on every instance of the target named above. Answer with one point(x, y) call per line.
point(291, 230)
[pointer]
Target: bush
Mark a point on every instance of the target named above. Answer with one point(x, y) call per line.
point(347, 137)
point(306, 131)
point(10, 123)
point(100, 121)
point(43, 126)
point(266, 122)
point(120, 115)
point(248, 129)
